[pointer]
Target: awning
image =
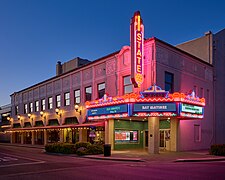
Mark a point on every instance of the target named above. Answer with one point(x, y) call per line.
point(89, 124)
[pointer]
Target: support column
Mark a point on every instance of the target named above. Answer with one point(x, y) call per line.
point(109, 130)
point(11, 137)
point(22, 138)
point(83, 135)
point(45, 137)
point(174, 123)
point(61, 133)
point(153, 133)
point(32, 137)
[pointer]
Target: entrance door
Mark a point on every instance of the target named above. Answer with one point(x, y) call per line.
point(164, 139)
point(146, 138)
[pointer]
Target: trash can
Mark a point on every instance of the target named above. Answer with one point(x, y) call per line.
point(107, 149)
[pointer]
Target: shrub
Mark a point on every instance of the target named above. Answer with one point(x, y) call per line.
point(82, 144)
point(64, 148)
point(81, 151)
point(217, 149)
point(95, 149)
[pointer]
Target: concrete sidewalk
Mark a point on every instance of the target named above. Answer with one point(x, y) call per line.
point(163, 156)
point(142, 155)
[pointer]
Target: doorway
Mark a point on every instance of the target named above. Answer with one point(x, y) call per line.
point(146, 139)
point(164, 139)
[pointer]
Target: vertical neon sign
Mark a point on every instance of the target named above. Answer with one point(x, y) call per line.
point(137, 50)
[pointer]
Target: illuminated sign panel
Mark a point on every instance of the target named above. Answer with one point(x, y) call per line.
point(191, 109)
point(108, 110)
point(137, 50)
point(155, 107)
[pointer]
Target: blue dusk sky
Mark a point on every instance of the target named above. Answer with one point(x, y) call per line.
point(35, 34)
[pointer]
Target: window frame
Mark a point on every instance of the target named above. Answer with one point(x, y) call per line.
point(66, 99)
point(58, 101)
point(36, 106)
point(171, 84)
point(77, 98)
point(50, 104)
point(43, 104)
point(100, 93)
point(87, 95)
point(127, 85)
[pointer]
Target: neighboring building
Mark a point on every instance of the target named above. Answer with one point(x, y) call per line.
point(5, 124)
point(211, 48)
point(54, 110)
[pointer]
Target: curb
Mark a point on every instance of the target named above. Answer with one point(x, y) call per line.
point(113, 158)
point(200, 160)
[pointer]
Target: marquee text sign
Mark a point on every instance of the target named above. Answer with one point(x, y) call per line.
point(137, 50)
point(155, 107)
point(191, 109)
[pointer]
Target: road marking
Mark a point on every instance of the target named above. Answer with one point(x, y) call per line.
point(11, 158)
point(21, 164)
point(21, 157)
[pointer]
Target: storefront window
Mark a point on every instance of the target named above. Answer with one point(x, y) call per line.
point(126, 136)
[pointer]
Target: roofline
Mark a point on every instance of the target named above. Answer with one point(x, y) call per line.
point(112, 54)
point(91, 62)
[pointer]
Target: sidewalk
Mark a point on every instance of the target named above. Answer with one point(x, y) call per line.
point(163, 156)
point(142, 155)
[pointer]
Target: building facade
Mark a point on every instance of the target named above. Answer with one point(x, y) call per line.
point(56, 110)
point(210, 48)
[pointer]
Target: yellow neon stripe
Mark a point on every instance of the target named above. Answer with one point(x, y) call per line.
point(139, 23)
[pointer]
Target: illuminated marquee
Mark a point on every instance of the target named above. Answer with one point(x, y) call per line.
point(137, 50)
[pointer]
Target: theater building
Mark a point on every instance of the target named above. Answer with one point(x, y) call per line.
point(149, 95)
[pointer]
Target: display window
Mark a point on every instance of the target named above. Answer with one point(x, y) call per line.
point(126, 136)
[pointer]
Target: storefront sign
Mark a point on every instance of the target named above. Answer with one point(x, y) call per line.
point(155, 107)
point(108, 110)
point(137, 50)
point(191, 109)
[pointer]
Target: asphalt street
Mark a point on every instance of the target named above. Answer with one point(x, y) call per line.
point(31, 163)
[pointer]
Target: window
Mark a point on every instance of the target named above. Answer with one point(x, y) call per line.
point(16, 110)
point(58, 101)
point(127, 85)
point(31, 108)
point(67, 99)
point(169, 82)
point(77, 96)
point(197, 133)
point(36, 106)
point(50, 103)
point(43, 104)
point(25, 108)
point(88, 92)
point(101, 90)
